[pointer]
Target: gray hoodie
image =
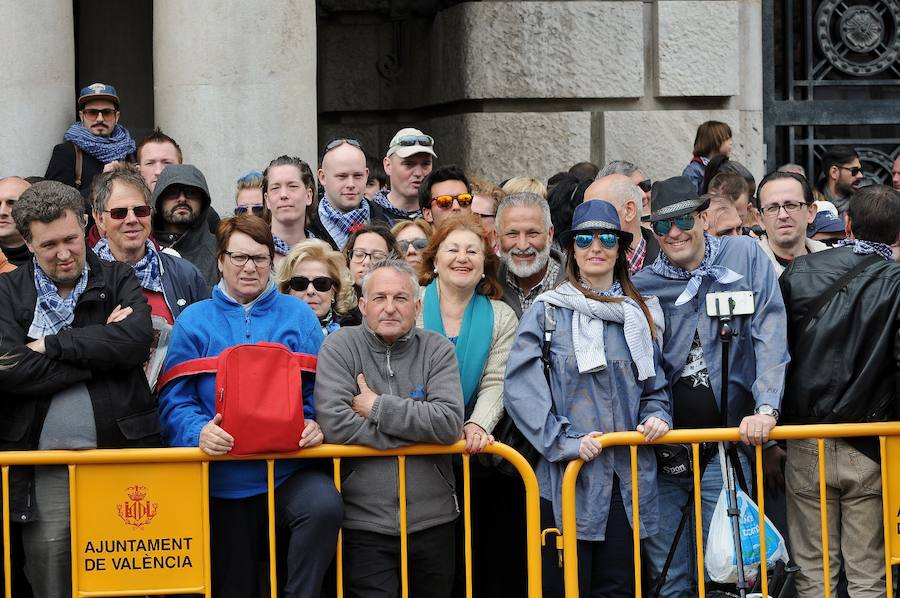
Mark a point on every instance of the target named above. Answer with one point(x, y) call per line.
point(419, 401)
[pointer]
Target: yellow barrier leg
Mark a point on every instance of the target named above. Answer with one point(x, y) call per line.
point(404, 541)
point(7, 561)
point(760, 501)
point(636, 519)
point(339, 557)
point(467, 521)
point(270, 495)
point(886, 513)
point(569, 530)
point(823, 512)
point(207, 565)
point(698, 523)
point(73, 532)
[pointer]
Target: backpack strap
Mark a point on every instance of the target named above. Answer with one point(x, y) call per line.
point(79, 160)
point(202, 365)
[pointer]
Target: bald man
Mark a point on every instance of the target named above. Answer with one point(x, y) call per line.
point(621, 192)
point(11, 242)
point(343, 176)
point(721, 218)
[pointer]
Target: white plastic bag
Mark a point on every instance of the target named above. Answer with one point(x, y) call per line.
point(720, 557)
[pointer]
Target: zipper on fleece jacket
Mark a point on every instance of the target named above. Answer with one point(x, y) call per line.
point(390, 371)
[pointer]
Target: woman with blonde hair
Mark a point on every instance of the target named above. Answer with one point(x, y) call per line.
point(524, 184)
point(317, 274)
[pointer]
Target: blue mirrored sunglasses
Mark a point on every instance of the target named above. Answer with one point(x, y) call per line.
point(662, 227)
point(584, 240)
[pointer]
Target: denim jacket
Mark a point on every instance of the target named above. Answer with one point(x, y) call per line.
point(759, 353)
point(555, 418)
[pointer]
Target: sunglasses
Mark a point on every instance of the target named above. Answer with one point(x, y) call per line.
point(417, 244)
point(854, 171)
point(319, 283)
point(94, 113)
point(645, 185)
point(446, 201)
point(255, 209)
point(662, 227)
point(408, 140)
point(339, 142)
point(585, 240)
point(122, 213)
point(173, 191)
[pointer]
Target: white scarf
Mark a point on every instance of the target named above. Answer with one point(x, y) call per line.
point(588, 327)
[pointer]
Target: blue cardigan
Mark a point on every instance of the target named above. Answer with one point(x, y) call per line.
point(206, 329)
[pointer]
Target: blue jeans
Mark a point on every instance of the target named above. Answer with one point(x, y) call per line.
point(681, 580)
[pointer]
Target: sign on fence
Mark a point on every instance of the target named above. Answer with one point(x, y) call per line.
point(139, 527)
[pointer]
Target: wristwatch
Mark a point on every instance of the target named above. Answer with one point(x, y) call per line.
point(767, 410)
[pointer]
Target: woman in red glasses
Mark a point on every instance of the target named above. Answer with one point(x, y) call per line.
point(317, 274)
point(598, 373)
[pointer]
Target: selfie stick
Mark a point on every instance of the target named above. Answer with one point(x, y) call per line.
point(726, 333)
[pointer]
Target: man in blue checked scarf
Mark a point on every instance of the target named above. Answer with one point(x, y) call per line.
point(93, 142)
point(845, 368)
point(75, 332)
point(691, 265)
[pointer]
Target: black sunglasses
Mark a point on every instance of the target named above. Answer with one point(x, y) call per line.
point(122, 213)
point(418, 244)
point(339, 142)
point(409, 140)
point(256, 209)
point(319, 283)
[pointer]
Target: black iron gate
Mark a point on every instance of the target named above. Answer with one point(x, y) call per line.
point(832, 77)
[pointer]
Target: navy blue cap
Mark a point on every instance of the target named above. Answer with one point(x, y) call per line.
point(826, 222)
point(595, 215)
point(98, 91)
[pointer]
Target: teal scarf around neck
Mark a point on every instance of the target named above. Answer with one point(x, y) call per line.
point(474, 341)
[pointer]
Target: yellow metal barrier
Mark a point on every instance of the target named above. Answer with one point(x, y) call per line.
point(137, 509)
point(888, 433)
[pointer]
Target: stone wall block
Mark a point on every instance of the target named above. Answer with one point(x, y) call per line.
point(698, 48)
point(538, 50)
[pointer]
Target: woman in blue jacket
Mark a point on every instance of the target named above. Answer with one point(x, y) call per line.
point(604, 376)
point(246, 307)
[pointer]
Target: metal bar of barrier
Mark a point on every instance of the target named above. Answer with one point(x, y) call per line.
point(207, 562)
point(636, 522)
point(886, 514)
point(7, 560)
point(404, 539)
point(823, 514)
point(761, 502)
point(467, 522)
point(73, 527)
point(698, 516)
point(339, 555)
point(270, 508)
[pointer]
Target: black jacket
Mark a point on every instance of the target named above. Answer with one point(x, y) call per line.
point(845, 364)
point(108, 359)
point(652, 246)
point(318, 230)
point(62, 167)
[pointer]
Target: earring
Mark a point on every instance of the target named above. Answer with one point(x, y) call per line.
point(435, 270)
point(482, 274)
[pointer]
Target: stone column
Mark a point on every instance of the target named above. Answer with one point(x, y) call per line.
point(235, 84)
point(37, 97)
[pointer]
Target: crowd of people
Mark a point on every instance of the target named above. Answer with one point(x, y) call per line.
point(442, 307)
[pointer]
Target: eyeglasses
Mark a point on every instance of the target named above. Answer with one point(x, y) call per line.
point(360, 255)
point(645, 185)
point(256, 209)
point(339, 142)
point(408, 140)
point(446, 201)
point(662, 227)
point(240, 259)
point(854, 170)
point(417, 244)
point(122, 213)
point(789, 206)
point(93, 113)
point(319, 283)
point(173, 191)
point(585, 240)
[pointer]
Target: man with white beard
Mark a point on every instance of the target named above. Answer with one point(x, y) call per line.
point(530, 265)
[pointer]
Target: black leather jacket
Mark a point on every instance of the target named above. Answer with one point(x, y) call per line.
point(845, 365)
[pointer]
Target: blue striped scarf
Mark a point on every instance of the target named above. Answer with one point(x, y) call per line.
point(861, 247)
point(106, 149)
point(667, 269)
point(53, 313)
point(147, 270)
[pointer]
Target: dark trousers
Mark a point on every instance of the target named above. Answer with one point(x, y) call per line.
point(498, 534)
point(308, 511)
point(372, 563)
point(605, 569)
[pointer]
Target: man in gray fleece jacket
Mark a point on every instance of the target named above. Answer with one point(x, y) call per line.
point(386, 384)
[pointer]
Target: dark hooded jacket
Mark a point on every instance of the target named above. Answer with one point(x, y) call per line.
point(197, 244)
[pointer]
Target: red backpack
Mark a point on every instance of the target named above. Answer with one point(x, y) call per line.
point(258, 393)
